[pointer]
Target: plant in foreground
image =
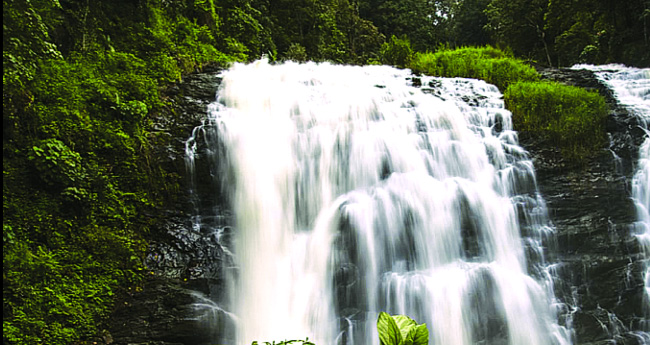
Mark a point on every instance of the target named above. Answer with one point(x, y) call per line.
point(401, 330)
point(287, 342)
point(393, 330)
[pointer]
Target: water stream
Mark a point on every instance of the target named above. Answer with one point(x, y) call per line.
point(356, 190)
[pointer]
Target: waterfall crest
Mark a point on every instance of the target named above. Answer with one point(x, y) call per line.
point(355, 192)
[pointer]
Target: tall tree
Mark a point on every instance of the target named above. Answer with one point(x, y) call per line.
point(595, 31)
point(424, 22)
point(575, 26)
point(325, 29)
point(468, 23)
point(245, 23)
point(519, 24)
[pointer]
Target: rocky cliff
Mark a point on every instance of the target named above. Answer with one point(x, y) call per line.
point(600, 263)
point(177, 304)
point(597, 259)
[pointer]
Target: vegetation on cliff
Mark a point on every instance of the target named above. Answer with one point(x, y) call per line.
point(83, 86)
point(485, 63)
point(82, 186)
point(570, 117)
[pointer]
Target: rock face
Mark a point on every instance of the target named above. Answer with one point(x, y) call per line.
point(177, 304)
point(599, 263)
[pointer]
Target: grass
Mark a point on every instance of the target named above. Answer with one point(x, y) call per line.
point(485, 63)
point(569, 116)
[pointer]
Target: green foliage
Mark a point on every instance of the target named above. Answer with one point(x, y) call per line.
point(468, 27)
point(486, 63)
point(401, 330)
point(296, 52)
point(559, 31)
point(519, 24)
point(81, 186)
point(396, 52)
point(328, 30)
point(589, 54)
point(63, 294)
point(554, 32)
point(600, 32)
point(569, 116)
point(426, 23)
point(56, 163)
point(26, 38)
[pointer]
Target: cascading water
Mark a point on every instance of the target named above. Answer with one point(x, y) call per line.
point(631, 88)
point(354, 192)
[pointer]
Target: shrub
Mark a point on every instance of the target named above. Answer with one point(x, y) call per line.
point(296, 52)
point(396, 52)
point(56, 163)
point(569, 116)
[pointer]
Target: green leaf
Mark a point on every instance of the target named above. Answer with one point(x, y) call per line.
point(389, 333)
point(418, 335)
point(404, 324)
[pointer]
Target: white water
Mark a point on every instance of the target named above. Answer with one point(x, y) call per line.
point(355, 193)
point(631, 87)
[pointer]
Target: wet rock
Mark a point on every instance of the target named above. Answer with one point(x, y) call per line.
point(179, 303)
point(166, 313)
point(624, 131)
point(599, 260)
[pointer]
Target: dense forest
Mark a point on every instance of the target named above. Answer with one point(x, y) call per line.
point(84, 84)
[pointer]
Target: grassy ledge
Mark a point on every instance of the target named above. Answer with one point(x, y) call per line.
point(570, 117)
point(485, 63)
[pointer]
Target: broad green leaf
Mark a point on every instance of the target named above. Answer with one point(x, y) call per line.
point(417, 335)
point(404, 324)
point(389, 333)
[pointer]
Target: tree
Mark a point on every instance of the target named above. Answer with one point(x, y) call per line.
point(396, 52)
point(519, 24)
point(564, 32)
point(424, 22)
point(572, 26)
point(468, 24)
point(244, 22)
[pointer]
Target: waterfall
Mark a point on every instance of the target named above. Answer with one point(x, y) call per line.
point(631, 88)
point(356, 190)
